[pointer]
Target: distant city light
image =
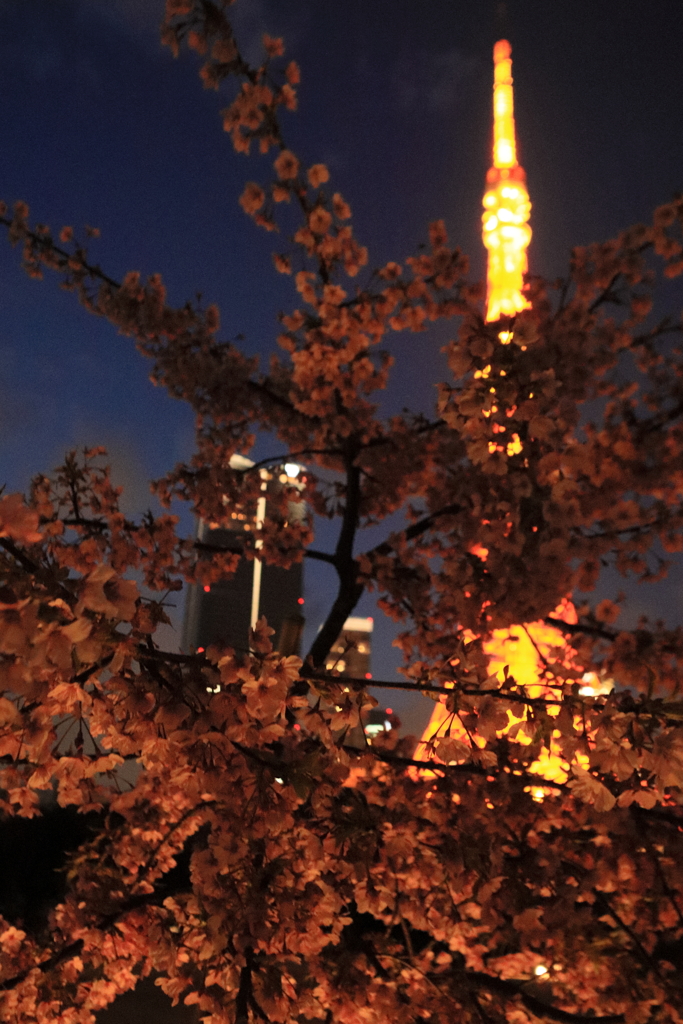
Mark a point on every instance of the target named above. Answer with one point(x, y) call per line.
point(291, 469)
point(207, 588)
point(300, 600)
point(368, 675)
point(200, 650)
point(359, 623)
point(540, 970)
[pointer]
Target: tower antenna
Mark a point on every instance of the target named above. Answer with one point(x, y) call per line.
point(502, 20)
point(506, 230)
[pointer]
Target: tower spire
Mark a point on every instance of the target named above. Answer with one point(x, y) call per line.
point(506, 230)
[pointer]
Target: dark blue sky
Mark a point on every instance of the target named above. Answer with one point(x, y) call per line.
point(101, 126)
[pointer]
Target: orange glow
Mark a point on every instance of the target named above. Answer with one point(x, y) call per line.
point(519, 650)
point(523, 649)
point(506, 230)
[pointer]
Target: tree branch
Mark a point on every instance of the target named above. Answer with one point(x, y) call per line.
point(416, 529)
point(350, 589)
point(65, 953)
point(24, 561)
point(577, 627)
point(46, 245)
point(606, 294)
point(289, 456)
point(40, 573)
point(465, 769)
point(428, 688)
point(320, 556)
point(244, 992)
point(513, 988)
point(134, 902)
point(76, 262)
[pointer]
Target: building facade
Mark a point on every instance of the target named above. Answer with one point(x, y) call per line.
point(223, 613)
point(351, 654)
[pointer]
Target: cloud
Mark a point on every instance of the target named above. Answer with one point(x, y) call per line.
point(432, 81)
point(124, 456)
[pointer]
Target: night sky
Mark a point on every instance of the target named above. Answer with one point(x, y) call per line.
point(101, 126)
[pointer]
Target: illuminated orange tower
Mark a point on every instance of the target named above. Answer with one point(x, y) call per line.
point(520, 649)
point(506, 230)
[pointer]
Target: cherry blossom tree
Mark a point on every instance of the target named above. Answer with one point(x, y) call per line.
point(238, 844)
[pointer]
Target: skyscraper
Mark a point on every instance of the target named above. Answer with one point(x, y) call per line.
point(350, 656)
point(222, 613)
